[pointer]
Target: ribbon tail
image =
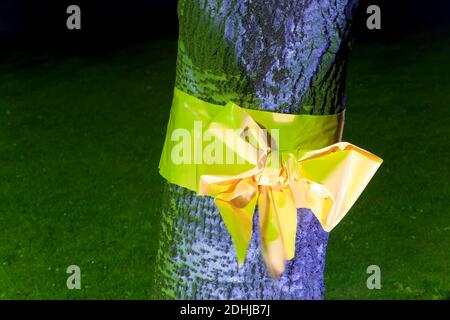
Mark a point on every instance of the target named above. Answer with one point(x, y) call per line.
point(278, 226)
point(237, 208)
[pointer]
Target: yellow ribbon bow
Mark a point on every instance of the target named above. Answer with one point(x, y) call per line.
point(271, 174)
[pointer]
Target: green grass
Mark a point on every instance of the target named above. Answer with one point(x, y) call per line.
point(398, 108)
point(80, 140)
point(79, 146)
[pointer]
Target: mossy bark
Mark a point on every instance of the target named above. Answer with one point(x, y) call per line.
point(280, 55)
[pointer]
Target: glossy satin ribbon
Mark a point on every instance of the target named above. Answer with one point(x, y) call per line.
point(301, 166)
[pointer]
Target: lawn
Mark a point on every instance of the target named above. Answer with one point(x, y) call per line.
point(80, 140)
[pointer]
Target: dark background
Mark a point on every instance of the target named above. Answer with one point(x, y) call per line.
point(107, 23)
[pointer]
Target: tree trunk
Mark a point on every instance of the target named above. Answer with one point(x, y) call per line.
point(286, 56)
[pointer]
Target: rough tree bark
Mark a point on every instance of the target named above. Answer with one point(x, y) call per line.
point(281, 55)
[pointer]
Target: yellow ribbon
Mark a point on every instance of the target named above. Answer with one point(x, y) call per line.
point(296, 167)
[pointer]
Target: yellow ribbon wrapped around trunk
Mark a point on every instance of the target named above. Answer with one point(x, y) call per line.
point(279, 162)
